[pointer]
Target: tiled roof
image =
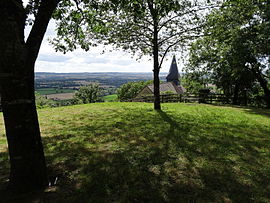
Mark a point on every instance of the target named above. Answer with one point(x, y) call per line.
point(169, 86)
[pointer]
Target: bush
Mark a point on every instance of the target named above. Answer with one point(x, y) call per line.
point(131, 89)
point(43, 102)
point(88, 94)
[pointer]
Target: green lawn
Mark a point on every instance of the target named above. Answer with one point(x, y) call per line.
point(127, 152)
point(45, 91)
point(110, 98)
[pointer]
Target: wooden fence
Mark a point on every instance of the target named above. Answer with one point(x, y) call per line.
point(202, 98)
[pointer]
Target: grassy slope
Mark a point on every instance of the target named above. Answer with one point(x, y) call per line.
point(128, 152)
point(110, 98)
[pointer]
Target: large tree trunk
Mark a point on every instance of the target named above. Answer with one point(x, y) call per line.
point(156, 70)
point(27, 162)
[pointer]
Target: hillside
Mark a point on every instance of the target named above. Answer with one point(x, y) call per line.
point(105, 79)
point(127, 152)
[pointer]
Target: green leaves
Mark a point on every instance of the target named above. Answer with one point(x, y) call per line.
point(130, 90)
point(88, 94)
point(234, 38)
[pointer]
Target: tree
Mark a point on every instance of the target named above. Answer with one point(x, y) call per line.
point(193, 82)
point(147, 27)
point(233, 49)
point(130, 90)
point(18, 56)
point(88, 94)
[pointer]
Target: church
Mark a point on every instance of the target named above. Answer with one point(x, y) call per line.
point(172, 85)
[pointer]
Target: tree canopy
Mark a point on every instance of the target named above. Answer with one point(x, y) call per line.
point(131, 89)
point(88, 94)
point(233, 50)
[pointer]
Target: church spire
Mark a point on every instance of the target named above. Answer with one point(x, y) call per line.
point(173, 75)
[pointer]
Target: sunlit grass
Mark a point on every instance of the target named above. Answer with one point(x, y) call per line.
point(110, 98)
point(127, 152)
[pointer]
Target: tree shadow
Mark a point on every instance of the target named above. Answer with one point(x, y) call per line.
point(225, 156)
point(250, 110)
point(263, 112)
point(126, 162)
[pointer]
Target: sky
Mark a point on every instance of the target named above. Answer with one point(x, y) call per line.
point(92, 61)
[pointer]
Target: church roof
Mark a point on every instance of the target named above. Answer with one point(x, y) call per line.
point(173, 75)
point(168, 86)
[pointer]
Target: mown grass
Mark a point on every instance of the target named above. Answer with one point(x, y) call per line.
point(110, 98)
point(127, 152)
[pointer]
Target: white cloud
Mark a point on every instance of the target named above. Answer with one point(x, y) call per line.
point(91, 61)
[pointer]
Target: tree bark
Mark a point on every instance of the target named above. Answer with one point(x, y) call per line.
point(264, 84)
point(236, 94)
point(27, 161)
point(156, 69)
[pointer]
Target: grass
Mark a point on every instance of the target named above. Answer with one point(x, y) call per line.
point(110, 98)
point(127, 152)
point(46, 91)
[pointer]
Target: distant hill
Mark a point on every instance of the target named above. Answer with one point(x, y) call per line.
point(105, 79)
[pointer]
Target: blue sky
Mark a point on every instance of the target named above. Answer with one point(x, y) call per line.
point(91, 61)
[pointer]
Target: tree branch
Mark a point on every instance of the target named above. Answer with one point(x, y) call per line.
point(170, 46)
point(39, 28)
point(188, 12)
point(178, 33)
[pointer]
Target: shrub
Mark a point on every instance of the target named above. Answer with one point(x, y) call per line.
point(88, 94)
point(130, 90)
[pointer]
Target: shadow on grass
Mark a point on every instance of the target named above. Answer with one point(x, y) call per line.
point(250, 110)
point(263, 112)
point(4, 170)
point(165, 159)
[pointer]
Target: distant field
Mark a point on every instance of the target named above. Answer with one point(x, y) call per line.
point(128, 152)
point(110, 98)
point(46, 91)
point(61, 96)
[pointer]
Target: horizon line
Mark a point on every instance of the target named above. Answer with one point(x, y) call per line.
point(97, 72)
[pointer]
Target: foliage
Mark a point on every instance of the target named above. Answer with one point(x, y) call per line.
point(91, 23)
point(88, 94)
point(43, 102)
point(193, 82)
point(233, 52)
point(130, 90)
point(123, 152)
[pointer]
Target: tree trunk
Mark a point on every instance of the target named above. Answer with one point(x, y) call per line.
point(266, 90)
point(236, 94)
point(27, 162)
point(156, 70)
point(264, 84)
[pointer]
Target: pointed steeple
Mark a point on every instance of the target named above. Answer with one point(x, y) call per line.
point(173, 75)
